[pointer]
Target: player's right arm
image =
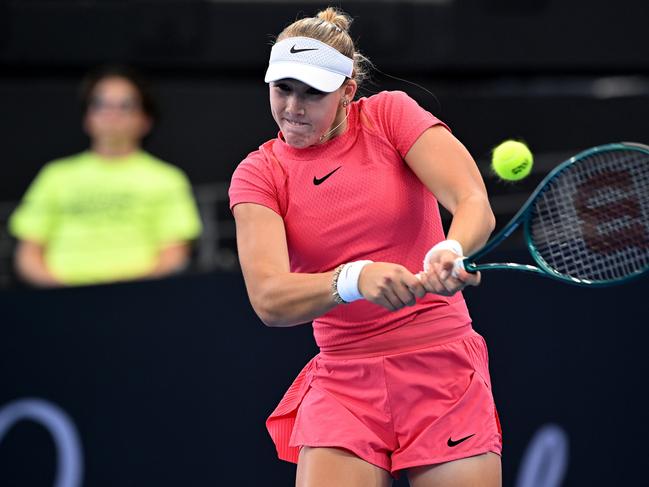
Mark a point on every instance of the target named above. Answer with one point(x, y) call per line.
point(279, 297)
point(31, 267)
point(284, 298)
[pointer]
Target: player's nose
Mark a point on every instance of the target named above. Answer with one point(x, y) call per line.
point(294, 105)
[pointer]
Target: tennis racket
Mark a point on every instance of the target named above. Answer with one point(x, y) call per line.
point(587, 222)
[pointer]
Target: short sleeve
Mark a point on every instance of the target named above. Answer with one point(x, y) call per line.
point(401, 119)
point(253, 182)
point(177, 218)
point(34, 218)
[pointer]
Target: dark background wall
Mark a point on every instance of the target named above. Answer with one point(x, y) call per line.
point(169, 383)
point(562, 75)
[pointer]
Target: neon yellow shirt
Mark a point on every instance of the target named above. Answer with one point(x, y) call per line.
point(103, 220)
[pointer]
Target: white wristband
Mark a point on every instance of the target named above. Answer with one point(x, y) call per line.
point(452, 245)
point(347, 284)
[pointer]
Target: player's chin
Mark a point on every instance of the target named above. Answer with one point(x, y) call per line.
point(300, 142)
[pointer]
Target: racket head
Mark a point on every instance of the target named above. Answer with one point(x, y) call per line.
point(587, 223)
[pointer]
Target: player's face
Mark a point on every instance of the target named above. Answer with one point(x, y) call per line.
point(303, 113)
point(115, 114)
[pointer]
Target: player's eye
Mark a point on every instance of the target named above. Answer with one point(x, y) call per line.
point(282, 87)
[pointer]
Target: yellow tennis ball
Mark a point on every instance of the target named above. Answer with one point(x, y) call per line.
point(512, 160)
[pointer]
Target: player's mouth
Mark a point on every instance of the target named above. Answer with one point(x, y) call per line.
point(295, 123)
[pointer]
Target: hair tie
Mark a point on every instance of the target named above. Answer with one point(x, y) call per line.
point(338, 29)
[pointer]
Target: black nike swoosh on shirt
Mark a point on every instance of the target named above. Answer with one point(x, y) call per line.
point(453, 443)
point(317, 181)
point(295, 51)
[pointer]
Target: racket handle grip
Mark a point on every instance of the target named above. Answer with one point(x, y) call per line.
point(465, 264)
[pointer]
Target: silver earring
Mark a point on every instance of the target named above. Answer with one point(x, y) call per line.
point(345, 102)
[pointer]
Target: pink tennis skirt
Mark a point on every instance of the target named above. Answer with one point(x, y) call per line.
point(394, 410)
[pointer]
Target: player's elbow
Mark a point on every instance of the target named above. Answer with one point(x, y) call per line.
point(272, 306)
point(273, 315)
point(266, 312)
point(480, 204)
point(273, 320)
point(490, 219)
point(489, 222)
point(263, 295)
point(268, 318)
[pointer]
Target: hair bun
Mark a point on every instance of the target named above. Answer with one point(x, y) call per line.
point(335, 17)
point(330, 26)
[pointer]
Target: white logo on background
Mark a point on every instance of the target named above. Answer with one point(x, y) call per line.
point(69, 456)
point(546, 459)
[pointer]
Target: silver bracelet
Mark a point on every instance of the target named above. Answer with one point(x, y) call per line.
point(334, 285)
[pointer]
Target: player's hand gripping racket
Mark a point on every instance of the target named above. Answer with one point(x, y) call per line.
point(587, 222)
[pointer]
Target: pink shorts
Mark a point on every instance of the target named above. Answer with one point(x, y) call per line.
point(397, 410)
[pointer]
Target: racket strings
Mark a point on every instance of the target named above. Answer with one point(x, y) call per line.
point(591, 222)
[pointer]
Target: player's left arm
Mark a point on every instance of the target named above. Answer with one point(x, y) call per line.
point(446, 168)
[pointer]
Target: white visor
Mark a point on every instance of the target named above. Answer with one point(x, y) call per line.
point(310, 61)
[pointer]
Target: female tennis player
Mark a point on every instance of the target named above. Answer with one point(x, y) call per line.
point(338, 223)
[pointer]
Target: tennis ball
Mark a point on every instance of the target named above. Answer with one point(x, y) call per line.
point(512, 160)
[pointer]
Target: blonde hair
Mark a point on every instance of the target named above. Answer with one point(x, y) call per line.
point(331, 26)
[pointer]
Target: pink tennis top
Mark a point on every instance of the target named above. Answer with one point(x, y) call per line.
point(355, 198)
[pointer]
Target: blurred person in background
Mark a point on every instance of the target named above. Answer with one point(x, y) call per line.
point(113, 212)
